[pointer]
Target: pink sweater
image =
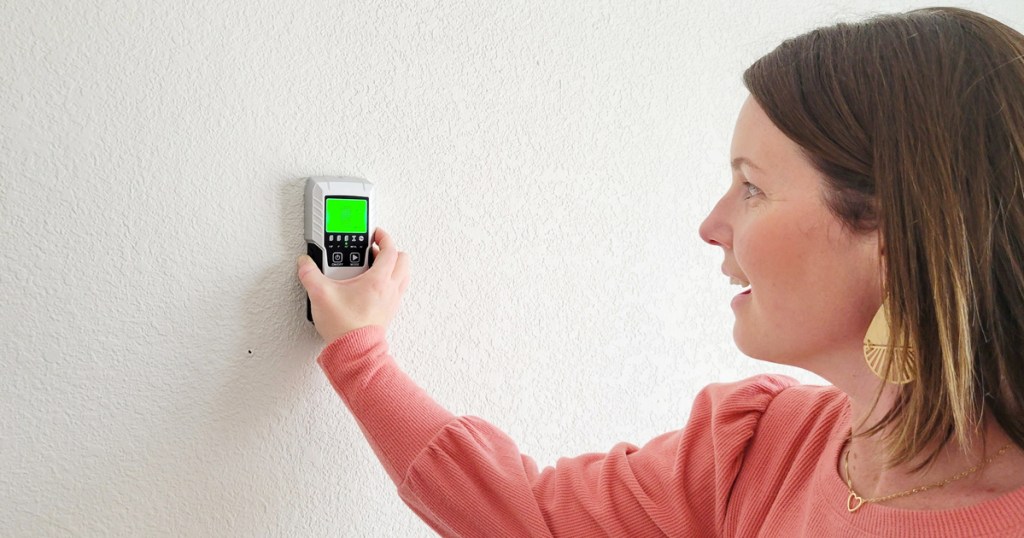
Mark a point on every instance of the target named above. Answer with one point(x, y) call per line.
point(757, 457)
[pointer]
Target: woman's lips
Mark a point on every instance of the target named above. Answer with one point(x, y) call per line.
point(740, 297)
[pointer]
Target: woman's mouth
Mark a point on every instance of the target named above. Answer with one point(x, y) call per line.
point(741, 297)
point(739, 282)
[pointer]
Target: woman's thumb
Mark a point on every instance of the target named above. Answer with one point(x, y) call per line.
point(309, 274)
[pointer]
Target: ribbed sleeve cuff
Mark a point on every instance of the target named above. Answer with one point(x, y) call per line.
point(398, 418)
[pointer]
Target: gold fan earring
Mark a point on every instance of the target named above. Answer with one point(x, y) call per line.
point(876, 341)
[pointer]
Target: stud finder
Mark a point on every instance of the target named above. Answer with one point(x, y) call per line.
point(340, 217)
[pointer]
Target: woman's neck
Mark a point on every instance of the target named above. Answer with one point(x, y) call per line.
point(868, 455)
point(872, 477)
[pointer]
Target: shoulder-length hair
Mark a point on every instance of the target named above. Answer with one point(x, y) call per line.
point(916, 122)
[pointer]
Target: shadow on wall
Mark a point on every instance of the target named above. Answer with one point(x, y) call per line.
point(261, 437)
point(276, 340)
point(249, 437)
point(264, 416)
point(266, 409)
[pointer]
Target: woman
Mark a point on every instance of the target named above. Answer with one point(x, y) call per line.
point(877, 212)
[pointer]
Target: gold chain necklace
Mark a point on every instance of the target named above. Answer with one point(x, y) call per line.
point(854, 501)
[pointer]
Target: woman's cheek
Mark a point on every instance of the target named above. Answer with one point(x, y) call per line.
point(779, 264)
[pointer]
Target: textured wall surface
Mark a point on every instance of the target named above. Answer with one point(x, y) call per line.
point(545, 164)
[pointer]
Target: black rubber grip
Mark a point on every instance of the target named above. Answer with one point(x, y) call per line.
point(317, 255)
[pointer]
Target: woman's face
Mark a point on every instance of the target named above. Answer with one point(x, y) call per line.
point(814, 287)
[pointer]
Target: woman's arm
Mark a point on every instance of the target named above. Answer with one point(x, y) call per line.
point(397, 417)
point(465, 477)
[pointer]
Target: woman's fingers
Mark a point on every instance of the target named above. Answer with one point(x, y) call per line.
point(385, 259)
point(375, 250)
point(309, 274)
point(401, 273)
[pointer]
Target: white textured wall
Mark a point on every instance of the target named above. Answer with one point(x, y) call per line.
point(545, 164)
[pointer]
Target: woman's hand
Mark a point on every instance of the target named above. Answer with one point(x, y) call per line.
point(371, 298)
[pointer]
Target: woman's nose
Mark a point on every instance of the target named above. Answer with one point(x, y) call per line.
point(715, 230)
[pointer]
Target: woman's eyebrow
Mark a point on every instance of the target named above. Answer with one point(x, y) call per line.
point(743, 160)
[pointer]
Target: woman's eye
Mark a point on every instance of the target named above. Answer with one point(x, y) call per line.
point(752, 190)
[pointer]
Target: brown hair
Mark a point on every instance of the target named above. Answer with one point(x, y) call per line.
point(916, 122)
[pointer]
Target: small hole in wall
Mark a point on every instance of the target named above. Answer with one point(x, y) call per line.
point(250, 352)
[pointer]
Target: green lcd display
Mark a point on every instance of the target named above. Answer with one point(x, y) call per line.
point(345, 215)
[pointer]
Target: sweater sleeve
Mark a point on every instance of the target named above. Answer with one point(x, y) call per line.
point(465, 477)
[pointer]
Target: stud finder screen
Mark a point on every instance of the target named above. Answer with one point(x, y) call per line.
point(345, 215)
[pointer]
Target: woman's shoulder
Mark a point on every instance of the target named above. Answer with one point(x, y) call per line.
point(813, 402)
point(775, 400)
point(732, 412)
point(784, 411)
point(778, 422)
point(774, 390)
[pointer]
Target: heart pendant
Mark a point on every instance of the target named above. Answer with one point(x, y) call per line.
point(854, 502)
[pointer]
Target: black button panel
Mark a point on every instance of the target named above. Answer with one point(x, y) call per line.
point(346, 250)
